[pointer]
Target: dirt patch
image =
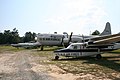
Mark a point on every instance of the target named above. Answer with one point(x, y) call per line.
point(54, 71)
point(18, 66)
point(60, 74)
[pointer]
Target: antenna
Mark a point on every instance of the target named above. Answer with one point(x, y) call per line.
point(90, 32)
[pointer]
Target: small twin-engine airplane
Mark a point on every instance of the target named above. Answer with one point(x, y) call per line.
point(94, 47)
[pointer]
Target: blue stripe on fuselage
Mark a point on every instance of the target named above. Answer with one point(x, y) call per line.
point(82, 50)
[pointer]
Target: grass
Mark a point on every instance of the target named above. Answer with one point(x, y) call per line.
point(108, 66)
point(9, 48)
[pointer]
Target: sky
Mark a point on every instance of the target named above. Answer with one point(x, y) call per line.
point(49, 16)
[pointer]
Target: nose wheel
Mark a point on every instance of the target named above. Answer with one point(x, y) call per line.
point(56, 57)
point(98, 56)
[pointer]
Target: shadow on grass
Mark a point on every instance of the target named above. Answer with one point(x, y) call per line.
point(115, 52)
point(113, 64)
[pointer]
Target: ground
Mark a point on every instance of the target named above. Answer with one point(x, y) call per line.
point(33, 64)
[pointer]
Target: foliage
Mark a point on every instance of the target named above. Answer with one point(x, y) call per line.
point(12, 37)
point(29, 37)
point(9, 37)
point(96, 32)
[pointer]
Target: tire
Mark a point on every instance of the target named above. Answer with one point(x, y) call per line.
point(56, 57)
point(98, 56)
point(41, 48)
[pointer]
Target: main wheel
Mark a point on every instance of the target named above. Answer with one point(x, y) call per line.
point(98, 56)
point(56, 57)
point(41, 48)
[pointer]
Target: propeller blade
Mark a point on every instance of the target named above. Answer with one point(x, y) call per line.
point(70, 38)
point(62, 41)
point(66, 41)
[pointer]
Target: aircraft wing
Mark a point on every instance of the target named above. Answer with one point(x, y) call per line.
point(106, 39)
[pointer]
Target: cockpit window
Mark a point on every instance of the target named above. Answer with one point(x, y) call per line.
point(75, 47)
point(72, 47)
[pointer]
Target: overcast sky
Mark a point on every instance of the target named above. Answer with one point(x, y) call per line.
point(49, 16)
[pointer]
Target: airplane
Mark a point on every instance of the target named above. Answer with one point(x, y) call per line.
point(94, 47)
point(60, 39)
point(27, 45)
point(65, 39)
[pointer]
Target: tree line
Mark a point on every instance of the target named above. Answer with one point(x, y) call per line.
point(12, 37)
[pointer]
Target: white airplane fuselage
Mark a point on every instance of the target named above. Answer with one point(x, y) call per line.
point(49, 39)
point(56, 39)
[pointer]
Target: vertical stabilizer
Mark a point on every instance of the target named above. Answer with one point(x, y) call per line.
point(107, 30)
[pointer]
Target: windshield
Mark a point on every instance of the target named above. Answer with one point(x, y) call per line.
point(75, 46)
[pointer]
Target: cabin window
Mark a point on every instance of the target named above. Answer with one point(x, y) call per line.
point(43, 38)
point(58, 39)
point(54, 39)
point(75, 47)
point(40, 39)
point(47, 38)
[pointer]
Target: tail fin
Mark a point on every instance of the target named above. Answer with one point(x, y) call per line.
point(107, 30)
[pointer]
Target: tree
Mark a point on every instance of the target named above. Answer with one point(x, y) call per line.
point(29, 36)
point(15, 36)
point(96, 32)
point(9, 37)
point(2, 38)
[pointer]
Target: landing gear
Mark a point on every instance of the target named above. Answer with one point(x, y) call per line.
point(41, 48)
point(56, 57)
point(98, 56)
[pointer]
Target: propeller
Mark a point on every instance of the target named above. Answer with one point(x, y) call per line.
point(62, 41)
point(66, 41)
point(70, 38)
